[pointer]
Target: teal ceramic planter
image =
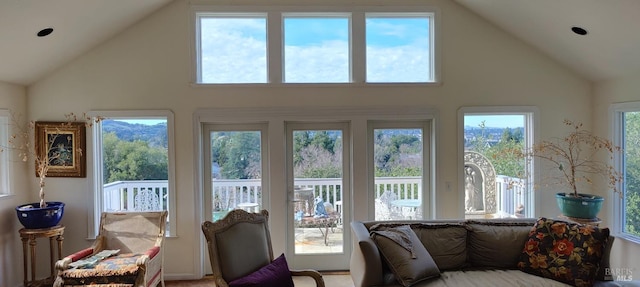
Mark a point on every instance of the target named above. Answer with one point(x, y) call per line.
point(585, 206)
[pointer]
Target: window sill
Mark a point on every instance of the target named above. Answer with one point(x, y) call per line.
point(628, 237)
point(314, 85)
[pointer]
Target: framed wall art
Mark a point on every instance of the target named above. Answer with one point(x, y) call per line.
point(63, 145)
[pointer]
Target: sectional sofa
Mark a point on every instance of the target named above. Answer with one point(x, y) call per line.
point(488, 252)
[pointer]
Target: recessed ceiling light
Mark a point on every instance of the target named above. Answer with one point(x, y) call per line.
point(579, 31)
point(45, 32)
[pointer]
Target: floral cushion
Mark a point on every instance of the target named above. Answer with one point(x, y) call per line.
point(119, 269)
point(563, 251)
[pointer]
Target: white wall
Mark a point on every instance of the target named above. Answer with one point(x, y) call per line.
point(149, 67)
point(13, 98)
point(625, 89)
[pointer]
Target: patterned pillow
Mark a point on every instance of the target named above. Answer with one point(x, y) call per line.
point(562, 251)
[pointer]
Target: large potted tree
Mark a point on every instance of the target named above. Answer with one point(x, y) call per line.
point(577, 159)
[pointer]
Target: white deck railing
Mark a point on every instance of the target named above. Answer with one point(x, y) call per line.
point(510, 192)
point(121, 195)
point(228, 194)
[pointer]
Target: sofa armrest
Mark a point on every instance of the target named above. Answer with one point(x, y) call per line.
point(366, 263)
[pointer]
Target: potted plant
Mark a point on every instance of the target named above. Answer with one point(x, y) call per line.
point(42, 214)
point(577, 159)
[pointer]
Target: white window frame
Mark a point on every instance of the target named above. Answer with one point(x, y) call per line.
point(427, 202)
point(531, 123)
point(275, 46)
point(4, 155)
point(616, 112)
point(94, 147)
point(207, 183)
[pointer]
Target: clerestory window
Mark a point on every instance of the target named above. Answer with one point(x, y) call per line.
point(328, 45)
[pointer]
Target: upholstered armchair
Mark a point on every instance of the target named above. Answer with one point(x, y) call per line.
point(240, 252)
point(136, 239)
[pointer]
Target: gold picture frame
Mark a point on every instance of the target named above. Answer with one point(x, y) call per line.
point(67, 141)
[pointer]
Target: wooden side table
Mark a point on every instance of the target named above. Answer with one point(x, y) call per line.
point(30, 236)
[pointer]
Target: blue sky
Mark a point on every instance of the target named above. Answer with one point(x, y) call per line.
point(495, 121)
point(316, 49)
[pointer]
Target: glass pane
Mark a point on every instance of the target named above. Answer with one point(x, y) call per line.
point(316, 50)
point(135, 164)
point(492, 171)
point(398, 49)
point(632, 173)
point(236, 170)
point(317, 156)
point(233, 50)
point(398, 173)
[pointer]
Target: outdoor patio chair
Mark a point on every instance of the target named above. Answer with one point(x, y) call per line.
point(385, 209)
point(127, 252)
point(240, 244)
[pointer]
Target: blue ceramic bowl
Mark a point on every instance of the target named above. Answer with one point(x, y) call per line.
point(31, 216)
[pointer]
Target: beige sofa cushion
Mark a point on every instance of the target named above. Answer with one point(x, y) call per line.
point(492, 278)
point(496, 244)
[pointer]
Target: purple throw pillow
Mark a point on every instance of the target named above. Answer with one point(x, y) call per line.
point(276, 274)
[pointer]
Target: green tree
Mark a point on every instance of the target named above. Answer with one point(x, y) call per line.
point(318, 162)
point(317, 154)
point(480, 141)
point(506, 154)
point(237, 154)
point(133, 160)
point(301, 139)
point(322, 140)
point(397, 154)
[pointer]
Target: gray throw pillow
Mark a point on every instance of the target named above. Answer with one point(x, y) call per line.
point(407, 258)
point(446, 242)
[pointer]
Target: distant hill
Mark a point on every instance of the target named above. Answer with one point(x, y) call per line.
point(155, 135)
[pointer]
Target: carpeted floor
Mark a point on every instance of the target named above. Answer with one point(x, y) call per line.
point(330, 280)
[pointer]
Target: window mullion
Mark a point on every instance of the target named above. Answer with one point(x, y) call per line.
point(358, 49)
point(275, 47)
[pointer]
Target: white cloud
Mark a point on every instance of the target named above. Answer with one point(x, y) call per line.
point(232, 53)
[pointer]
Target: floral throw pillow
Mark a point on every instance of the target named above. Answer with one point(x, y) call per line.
point(565, 252)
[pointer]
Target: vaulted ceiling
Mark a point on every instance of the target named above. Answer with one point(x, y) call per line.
point(610, 49)
point(79, 25)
